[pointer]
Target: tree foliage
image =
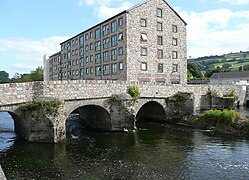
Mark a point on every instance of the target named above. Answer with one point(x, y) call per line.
point(36, 75)
point(195, 71)
point(4, 77)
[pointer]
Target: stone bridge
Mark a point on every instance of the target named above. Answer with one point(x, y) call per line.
point(92, 101)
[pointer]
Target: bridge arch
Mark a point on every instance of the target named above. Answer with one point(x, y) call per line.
point(20, 127)
point(90, 115)
point(151, 111)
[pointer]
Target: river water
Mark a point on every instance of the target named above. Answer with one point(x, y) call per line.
point(155, 151)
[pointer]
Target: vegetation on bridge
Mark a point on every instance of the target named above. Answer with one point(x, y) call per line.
point(134, 91)
point(50, 107)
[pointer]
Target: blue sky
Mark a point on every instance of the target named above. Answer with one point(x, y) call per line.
point(29, 29)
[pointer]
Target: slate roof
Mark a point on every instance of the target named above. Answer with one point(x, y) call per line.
point(237, 74)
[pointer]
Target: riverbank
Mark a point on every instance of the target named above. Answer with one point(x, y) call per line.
point(2, 176)
point(221, 121)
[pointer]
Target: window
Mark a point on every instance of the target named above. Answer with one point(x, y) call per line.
point(120, 21)
point(87, 70)
point(97, 58)
point(106, 30)
point(159, 40)
point(87, 48)
point(174, 41)
point(106, 56)
point(114, 40)
point(76, 52)
point(81, 72)
point(97, 70)
point(121, 66)
point(68, 46)
point(68, 55)
point(114, 68)
point(114, 26)
point(82, 61)
point(81, 51)
point(120, 36)
point(174, 28)
point(106, 43)
point(76, 42)
point(91, 58)
point(114, 54)
point(97, 46)
point(160, 54)
point(144, 37)
point(175, 68)
point(143, 51)
point(174, 55)
point(144, 66)
point(159, 26)
point(81, 40)
point(73, 52)
point(143, 22)
point(106, 69)
point(91, 34)
point(91, 70)
point(120, 51)
point(87, 36)
point(87, 60)
point(175, 82)
point(159, 12)
point(91, 46)
point(72, 42)
point(160, 68)
point(97, 33)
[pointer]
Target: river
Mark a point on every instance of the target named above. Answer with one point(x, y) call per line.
point(155, 151)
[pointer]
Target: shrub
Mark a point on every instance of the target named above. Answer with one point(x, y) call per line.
point(134, 91)
point(178, 97)
point(49, 107)
point(231, 94)
point(212, 93)
point(114, 97)
point(225, 117)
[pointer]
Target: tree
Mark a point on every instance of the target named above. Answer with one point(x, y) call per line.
point(36, 75)
point(212, 70)
point(246, 67)
point(4, 77)
point(240, 68)
point(226, 66)
point(195, 71)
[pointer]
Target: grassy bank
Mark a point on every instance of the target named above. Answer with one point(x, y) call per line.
point(226, 121)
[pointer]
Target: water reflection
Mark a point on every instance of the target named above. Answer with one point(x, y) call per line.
point(156, 151)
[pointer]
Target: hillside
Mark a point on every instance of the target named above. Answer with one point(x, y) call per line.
point(209, 64)
point(233, 60)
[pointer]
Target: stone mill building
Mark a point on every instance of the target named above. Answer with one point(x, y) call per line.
point(146, 43)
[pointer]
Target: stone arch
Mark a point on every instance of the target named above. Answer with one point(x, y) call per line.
point(151, 111)
point(93, 116)
point(20, 127)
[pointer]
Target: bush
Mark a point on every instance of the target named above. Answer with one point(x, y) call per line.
point(225, 117)
point(114, 97)
point(231, 94)
point(178, 97)
point(134, 91)
point(49, 107)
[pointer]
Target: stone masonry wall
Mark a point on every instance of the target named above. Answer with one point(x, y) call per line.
point(82, 89)
point(169, 18)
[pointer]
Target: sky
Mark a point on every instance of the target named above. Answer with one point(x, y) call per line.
point(30, 29)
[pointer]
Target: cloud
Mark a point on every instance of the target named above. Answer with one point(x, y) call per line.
point(28, 53)
point(105, 12)
point(102, 8)
point(235, 2)
point(216, 32)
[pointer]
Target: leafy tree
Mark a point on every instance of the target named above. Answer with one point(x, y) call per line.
point(212, 70)
point(240, 68)
point(4, 77)
point(195, 71)
point(226, 66)
point(36, 75)
point(246, 67)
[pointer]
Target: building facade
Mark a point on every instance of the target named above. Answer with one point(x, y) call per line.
point(146, 43)
point(238, 78)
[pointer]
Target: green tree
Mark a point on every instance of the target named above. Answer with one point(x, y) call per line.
point(240, 68)
point(4, 77)
point(246, 67)
point(226, 66)
point(195, 71)
point(212, 70)
point(36, 75)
